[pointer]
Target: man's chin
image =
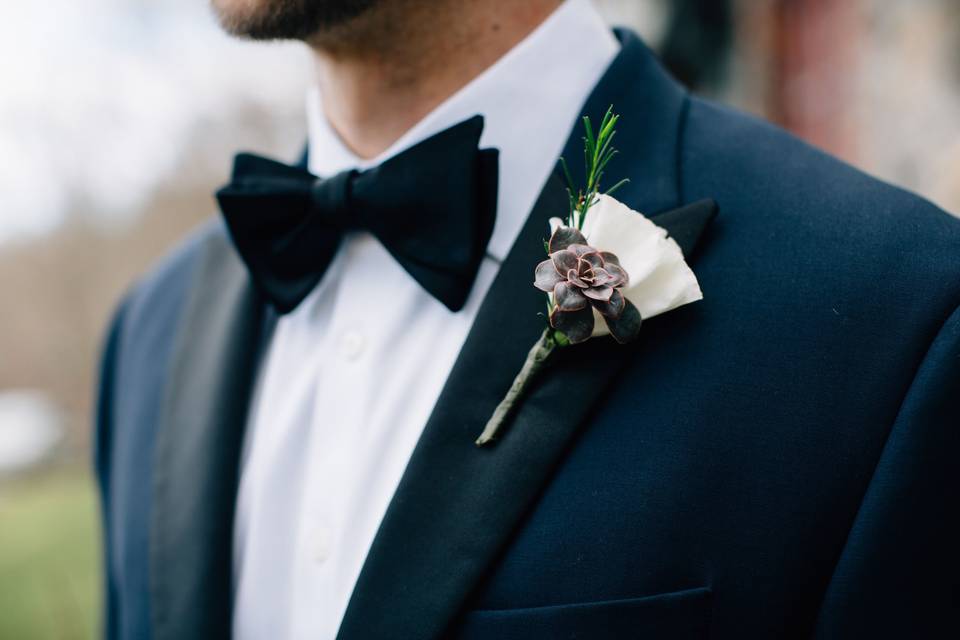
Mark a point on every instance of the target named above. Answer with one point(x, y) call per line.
point(286, 19)
point(265, 19)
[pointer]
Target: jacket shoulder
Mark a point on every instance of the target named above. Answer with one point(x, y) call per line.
point(148, 317)
point(164, 287)
point(813, 210)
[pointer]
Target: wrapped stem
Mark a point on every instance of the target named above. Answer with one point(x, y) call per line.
point(536, 359)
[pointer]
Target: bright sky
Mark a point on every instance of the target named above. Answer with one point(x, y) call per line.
point(98, 99)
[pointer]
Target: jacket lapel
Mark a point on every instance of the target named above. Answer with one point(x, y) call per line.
point(457, 505)
point(198, 447)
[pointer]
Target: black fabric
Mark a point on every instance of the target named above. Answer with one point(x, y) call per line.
point(678, 616)
point(432, 207)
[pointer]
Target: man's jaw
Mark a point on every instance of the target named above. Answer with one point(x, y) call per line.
point(287, 19)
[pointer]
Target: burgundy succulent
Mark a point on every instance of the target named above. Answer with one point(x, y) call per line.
point(582, 279)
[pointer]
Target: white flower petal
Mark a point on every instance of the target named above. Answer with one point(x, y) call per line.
point(660, 279)
point(555, 223)
point(636, 241)
point(670, 285)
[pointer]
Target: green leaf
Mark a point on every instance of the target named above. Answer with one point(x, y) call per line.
point(598, 151)
point(604, 161)
point(560, 338)
point(609, 122)
point(566, 174)
point(606, 149)
point(591, 141)
point(617, 186)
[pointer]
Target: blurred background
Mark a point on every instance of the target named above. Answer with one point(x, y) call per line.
point(118, 118)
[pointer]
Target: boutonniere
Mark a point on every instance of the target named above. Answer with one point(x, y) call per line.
point(607, 267)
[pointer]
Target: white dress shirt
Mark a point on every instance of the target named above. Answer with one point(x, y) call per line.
point(351, 376)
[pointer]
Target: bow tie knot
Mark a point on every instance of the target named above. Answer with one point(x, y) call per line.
point(330, 198)
point(431, 206)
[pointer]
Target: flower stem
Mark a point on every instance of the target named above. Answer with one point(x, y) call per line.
point(536, 359)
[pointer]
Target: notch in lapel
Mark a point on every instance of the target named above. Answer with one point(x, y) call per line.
point(198, 448)
point(686, 224)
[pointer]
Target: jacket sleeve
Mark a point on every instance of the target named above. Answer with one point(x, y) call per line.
point(103, 423)
point(898, 575)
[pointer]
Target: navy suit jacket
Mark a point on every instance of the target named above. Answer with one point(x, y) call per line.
point(778, 460)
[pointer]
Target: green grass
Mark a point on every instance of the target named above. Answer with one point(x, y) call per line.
point(49, 557)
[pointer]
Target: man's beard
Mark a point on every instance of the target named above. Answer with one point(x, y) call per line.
point(286, 19)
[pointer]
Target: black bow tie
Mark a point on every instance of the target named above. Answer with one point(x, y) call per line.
point(431, 206)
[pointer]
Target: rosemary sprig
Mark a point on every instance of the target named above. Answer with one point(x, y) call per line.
point(598, 151)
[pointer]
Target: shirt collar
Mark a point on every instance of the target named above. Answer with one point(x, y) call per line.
point(530, 99)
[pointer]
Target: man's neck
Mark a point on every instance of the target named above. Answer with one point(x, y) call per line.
point(382, 73)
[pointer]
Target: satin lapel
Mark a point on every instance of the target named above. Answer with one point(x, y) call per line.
point(457, 505)
point(198, 446)
point(686, 224)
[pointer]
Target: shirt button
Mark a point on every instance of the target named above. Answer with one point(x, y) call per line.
point(352, 345)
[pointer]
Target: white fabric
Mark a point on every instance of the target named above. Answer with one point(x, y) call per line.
point(351, 376)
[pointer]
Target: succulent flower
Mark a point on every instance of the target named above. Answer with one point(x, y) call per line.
point(582, 279)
